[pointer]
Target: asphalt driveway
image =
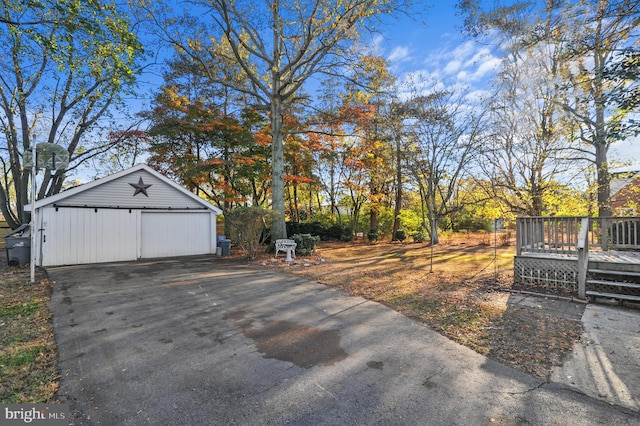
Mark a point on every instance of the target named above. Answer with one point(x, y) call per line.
point(206, 341)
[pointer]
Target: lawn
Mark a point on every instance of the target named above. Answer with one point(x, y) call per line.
point(28, 371)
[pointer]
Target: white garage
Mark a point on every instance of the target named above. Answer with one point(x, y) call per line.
point(134, 214)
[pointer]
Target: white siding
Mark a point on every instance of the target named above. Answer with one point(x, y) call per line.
point(80, 235)
point(119, 192)
point(176, 233)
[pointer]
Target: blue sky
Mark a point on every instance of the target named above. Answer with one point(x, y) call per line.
point(437, 49)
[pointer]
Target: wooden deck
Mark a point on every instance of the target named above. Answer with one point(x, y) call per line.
point(627, 257)
point(593, 257)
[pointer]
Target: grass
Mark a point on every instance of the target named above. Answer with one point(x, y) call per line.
point(28, 371)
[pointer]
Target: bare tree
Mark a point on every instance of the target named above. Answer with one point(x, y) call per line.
point(591, 37)
point(601, 29)
point(445, 132)
point(527, 150)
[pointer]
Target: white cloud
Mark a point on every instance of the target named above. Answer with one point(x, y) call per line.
point(464, 50)
point(400, 54)
point(476, 97)
point(452, 67)
point(377, 43)
point(478, 56)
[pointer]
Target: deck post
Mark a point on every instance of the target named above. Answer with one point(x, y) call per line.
point(604, 232)
point(519, 234)
point(583, 257)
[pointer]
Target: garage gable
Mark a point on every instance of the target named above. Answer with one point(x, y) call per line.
point(139, 187)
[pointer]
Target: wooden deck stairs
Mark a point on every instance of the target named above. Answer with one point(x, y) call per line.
point(613, 280)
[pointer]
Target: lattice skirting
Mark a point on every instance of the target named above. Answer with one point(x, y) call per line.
point(546, 272)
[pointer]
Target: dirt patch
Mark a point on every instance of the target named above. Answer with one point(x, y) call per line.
point(458, 289)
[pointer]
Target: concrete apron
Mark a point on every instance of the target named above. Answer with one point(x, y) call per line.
point(205, 341)
point(605, 362)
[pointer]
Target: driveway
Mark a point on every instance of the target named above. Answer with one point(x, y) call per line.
point(206, 341)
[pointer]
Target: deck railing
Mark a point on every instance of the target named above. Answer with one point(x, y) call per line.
point(615, 233)
point(547, 234)
point(559, 235)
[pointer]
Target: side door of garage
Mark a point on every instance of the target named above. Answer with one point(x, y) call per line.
point(165, 234)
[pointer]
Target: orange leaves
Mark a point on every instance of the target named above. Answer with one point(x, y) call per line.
point(298, 179)
point(262, 138)
point(213, 162)
point(241, 160)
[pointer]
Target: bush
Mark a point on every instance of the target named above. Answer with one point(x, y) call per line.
point(372, 235)
point(337, 232)
point(306, 243)
point(247, 226)
point(346, 237)
point(419, 237)
point(313, 228)
point(400, 235)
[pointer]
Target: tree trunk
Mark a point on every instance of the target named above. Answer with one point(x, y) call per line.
point(398, 206)
point(278, 228)
point(296, 209)
point(373, 219)
point(434, 231)
point(603, 178)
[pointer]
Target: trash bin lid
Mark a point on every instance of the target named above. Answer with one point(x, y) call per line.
point(22, 231)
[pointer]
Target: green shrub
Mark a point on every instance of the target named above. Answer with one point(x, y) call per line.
point(337, 232)
point(306, 243)
point(419, 237)
point(346, 236)
point(314, 228)
point(372, 235)
point(400, 235)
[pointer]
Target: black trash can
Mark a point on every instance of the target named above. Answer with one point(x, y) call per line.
point(18, 246)
point(225, 245)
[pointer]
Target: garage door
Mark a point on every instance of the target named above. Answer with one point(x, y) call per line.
point(78, 235)
point(167, 234)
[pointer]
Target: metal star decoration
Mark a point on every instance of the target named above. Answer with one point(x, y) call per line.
point(140, 187)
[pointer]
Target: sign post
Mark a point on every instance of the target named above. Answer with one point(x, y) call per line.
point(34, 171)
point(43, 155)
